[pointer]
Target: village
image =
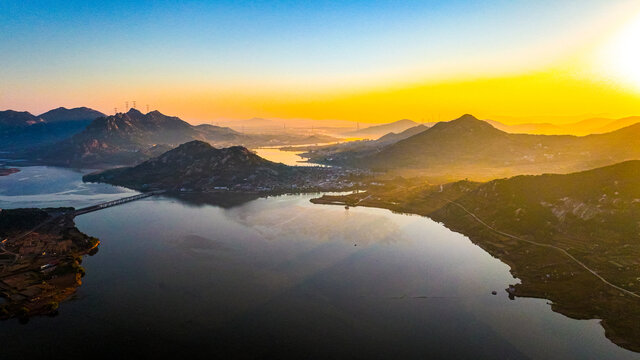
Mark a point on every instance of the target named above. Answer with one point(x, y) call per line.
point(40, 261)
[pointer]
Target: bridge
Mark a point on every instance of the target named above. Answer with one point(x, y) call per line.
point(108, 204)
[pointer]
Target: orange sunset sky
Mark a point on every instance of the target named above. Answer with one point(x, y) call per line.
point(374, 61)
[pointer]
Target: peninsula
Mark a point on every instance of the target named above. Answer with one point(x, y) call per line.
point(41, 253)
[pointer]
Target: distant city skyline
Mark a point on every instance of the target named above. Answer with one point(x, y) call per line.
point(363, 61)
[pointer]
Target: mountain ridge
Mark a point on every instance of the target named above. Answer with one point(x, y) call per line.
point(198, 166)
point(131, 137)
point(469, 142)
point(61, 114)
point(125, 138)
point(376, 131)
point(17, 119)
point(32, 131)
point(580, 128)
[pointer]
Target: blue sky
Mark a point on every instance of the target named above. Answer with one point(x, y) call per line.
point(253, 37)
point(65, 48)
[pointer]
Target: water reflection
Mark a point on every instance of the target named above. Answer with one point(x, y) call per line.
point(291, 158)
point(283, 220)
point(224, 200)
point(44, 186)
point(280, 277)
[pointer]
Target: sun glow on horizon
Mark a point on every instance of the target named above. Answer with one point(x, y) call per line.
point(620, 56)
point(371, 63)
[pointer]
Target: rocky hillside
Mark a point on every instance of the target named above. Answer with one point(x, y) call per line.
point(127, 138)
point(593, 215)
point(132, 137)
point(603, 201)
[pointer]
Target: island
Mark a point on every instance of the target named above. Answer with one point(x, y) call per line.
point(197, 166)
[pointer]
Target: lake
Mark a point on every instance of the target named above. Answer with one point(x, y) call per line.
point(291, 158)
point(279, 277)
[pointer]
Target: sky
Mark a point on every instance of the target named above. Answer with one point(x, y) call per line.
point(367, 61)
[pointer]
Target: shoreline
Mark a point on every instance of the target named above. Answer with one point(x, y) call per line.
point(543, 272)
point(40, 260)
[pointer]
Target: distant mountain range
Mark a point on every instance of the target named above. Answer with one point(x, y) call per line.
point(62, 114)
point(23, 119)
point(393, 137)
point(261, 125)
point(468, 147)
point(84, 137)
point(581, 128)
point(22, 130)
point(127, 138)
point(360, 148)
point(131, 137)
point(10, 119)
point(376, 131)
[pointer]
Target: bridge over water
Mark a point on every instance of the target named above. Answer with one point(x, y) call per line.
point(108, 204)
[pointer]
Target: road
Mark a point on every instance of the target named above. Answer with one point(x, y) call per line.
point(563, 251)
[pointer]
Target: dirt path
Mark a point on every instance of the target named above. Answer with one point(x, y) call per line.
point(547, 246)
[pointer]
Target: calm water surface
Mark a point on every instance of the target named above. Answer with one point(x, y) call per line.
point(281, 277)
point(291, 158)
point(44, 186)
